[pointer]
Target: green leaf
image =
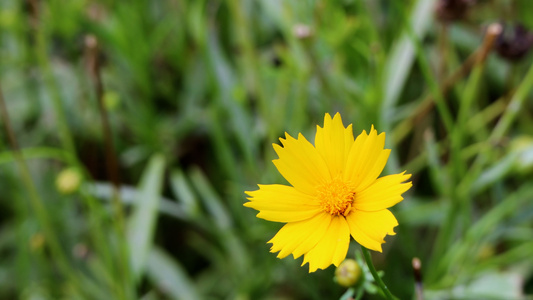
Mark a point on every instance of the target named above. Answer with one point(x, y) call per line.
point(495, 173)
point(169, 276)
point(141, 224)
point(402, 55)
point(130, 194)
point(212, 201)
point(184, 193)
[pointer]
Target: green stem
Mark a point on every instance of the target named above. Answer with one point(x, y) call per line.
point(378, 280)
point(513, 108)
point(36, 202)
point(93, 48)
point(96, 213)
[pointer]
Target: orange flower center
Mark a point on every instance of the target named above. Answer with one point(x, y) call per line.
point(336, 197)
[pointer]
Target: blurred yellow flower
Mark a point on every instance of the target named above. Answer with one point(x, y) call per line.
point(335, 193)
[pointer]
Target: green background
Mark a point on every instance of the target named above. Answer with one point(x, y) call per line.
point(197, 91)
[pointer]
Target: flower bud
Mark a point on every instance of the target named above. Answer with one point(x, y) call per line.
point(302, 31)
point(37, 241)
point(522, 146)
point(68, 181)
point(348, 273)
point(8, 18)
point(111, 100)
point(486, 252)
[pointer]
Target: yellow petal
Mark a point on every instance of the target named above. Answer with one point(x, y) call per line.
point(374, 170)
point(383, 193)
point(281, 203)
point(300, 237)
point(332, 248)
point(301, 164)
point(370, 228)
point(366, 159)
point(333, 142)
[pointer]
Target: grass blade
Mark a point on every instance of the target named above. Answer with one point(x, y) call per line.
point(166, 273)
point(141, 224)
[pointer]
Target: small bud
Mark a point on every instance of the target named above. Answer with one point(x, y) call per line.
point(522, 146)
point(485, 252)
point(417, 269)
point(111, 100)
point(96, 12)
point(36, 241)
point(8, 18)
point(302, 31)
point(80, 251)
point(68, 181)
point(348, 273)
point(417, 272)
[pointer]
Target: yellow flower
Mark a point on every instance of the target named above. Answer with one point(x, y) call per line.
point(335, 193)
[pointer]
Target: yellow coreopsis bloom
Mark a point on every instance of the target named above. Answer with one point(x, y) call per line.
point(335, 193)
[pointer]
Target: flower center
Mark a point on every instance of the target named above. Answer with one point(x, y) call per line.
point(336, 197)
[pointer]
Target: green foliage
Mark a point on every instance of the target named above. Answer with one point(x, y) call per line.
point(197, 91)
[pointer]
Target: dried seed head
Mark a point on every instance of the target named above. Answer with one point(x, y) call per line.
point(514, 42)
point(452, 10)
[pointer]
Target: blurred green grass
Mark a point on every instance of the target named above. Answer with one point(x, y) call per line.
point(197, 91)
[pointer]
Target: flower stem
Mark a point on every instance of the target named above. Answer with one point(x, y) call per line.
point(378, 280)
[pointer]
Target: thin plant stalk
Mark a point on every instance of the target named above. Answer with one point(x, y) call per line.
point(67, 142)
point(92, 47)
point(36, 201)
point(381, 284)
point(470, 93)
point(503, 125)
point(426, 105)
point(417, 272)
point(438, 96)
point(249, 63)
point(462, 204)
point(112, 165)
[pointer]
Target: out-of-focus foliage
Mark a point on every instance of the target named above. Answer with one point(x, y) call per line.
point(195, 94)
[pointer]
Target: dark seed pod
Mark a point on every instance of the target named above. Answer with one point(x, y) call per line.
point(452, 10)
point(515, 42)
